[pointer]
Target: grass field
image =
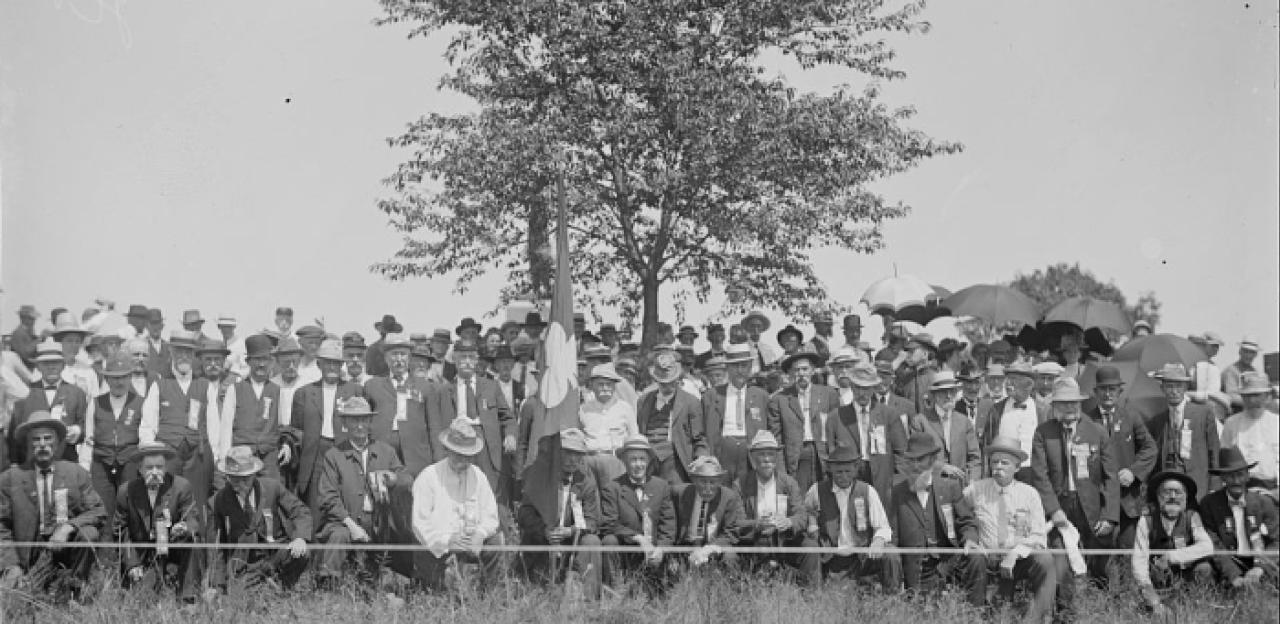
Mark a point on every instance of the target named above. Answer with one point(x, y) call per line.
point(697, 599)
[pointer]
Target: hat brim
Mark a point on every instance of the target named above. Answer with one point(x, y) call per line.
point(1252, 391)
point(356, 414)
point(790, 360)
point(222, 352)
point(716, 475)
point(771, 447)
point(57, 335)
point(1222, 470)
point(25, 428)
point(49, 358)
point(469, 451)
point(1020, 454)
point(1158, 478)
point(621, 454)
point(676, 372)
point(253, 469)
point(168, 452)
point(763, 319)
point(108, 373)
point(917, 454)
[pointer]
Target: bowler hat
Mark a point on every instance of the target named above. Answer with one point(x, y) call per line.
point(921, 444)
point(353, 340)
point(240, 462)
point(688, 330)
point(790, 330)
point(257, 345)
point(461, 438)
point(844, 454)
point(37, 420)
point(388, 325)
point(852, 320)
point(706, 466)
point(154, 315)
point(27, 311)
point(1230, 460)
point(137, 311)
point(1107, 376)
point(1008, 445)
point(534, 319)
point(467, 323)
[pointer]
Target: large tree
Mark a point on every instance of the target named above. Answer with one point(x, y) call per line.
point(688, 162)
point(1051, 285)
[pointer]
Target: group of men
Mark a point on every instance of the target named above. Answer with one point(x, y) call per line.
point(289, 438)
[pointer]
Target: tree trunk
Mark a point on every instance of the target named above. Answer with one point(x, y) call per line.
point(649, 324)
point(536, 249)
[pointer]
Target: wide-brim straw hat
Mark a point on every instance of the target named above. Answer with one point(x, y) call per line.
point(637, 443)
point(240, 462)
point(37, 420)
point(461, 438)
point(1007, 444)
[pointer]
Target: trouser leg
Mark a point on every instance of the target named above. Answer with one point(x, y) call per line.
point(106, 485)
point(587, 564)
point(330, 561)
point(1040, 569)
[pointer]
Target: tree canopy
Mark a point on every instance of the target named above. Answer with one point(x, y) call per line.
point(1051, 285)
point(688, 163)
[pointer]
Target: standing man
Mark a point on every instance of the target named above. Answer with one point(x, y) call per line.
point(504, 362)
point(972, 404)
point(375, 360)
point(315, 411)
point(309, 339)
point(63, 402)
point(1231, 378)
point(607, 423)
point(1016, 416)
point(177, 412)
point(671, 419)
point(715, 335)
point(1071, 455)
point(353, 353)
point(478, 401)
point(734, 413)
point(157, 508)
point(952, 430)
point(23, 341)
point(1256, 432)
point(1132, 446)
point(402, 406)
point(51, 500)
point(114, 436)
point(798, 414)
point(851, 329)
point(253, 509)
point(353, 489)
point(193, 322)
point(1186, 434)
point(762, 355)
point(158, 358)
point(235, 346)
point(821, 341)
point(846, 513)
point(873, 431)
point(251, 414)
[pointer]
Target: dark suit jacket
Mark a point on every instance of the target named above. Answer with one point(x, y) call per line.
point(159, 362)
point(961, 441)
point(1260, 514)
point(74, 407)
point(879, 469)
point(135, 517)
point(1204, 444)
point(308, 422)
point(687, 434)
point(416, 443)
point(786, 420)
point(1052, 455)
point(533, 527)
point(230, 524)
point(991, 422)
point(725, 509)
point(622, 515)
point(20, 514)
point(907, 517)
point(1133, 448)
point(981, 411)
point(342, 482)
point(713, 405)
point(496, 418)
point(748, 487)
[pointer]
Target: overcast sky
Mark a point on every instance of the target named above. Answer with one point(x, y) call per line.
point(227, 156)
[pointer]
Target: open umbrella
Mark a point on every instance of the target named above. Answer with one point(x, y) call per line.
point(1086, 312)
point(892, 294)
point(996, 305)
point(1154, 351)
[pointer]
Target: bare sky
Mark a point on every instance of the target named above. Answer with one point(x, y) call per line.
point(227, 156)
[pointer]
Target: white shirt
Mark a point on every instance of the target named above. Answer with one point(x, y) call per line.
point(117, 404)
point(329, 395)
point(309, 373)
point(1258, 440)
point(876, 518)
point(1024, 522)
point(803, 397)
point(607, 425)
point(767, 498)
point(508, 390)
point(461, 399)
point(286, 398)
point(1020, 424)
point(735, 418)
point(846, 395)
point(1141, 560)
point(445, 503)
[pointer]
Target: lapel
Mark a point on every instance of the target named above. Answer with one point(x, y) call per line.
point(138, 497)
point(913, 503)
point(717, 417)
point(751, 491)
point(629, 494)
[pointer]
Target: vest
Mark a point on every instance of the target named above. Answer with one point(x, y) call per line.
point(829, 513)
point(256, 419)
point(116, 441)
point(659, 422)
point(175, 408)
point(1158, 539)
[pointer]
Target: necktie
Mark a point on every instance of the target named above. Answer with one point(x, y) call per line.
point(700, 520)
point(946, 441)
point(1002, 520)
point(46, 511)
point(1106, 419)
point(738, 421)
point(471, 399)
point(1068, 434)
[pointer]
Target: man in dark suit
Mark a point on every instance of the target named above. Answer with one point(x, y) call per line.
point(24, 340)
point(1185, 433)
point(159, 360)
point(252, 409)
point(798, 416)
point(636, 509)
point(50, 500)
point(709, 515)
point(928, 510)
point(1242, 523)
point(894, 405)
point(375, 361)
point(478, 400)
point(872, 430)
point(316, 423)
point(62, 401)
point(578, 523)
point(971, 403)
point(114, 435)
point(157, 508)
point(671, 419)
point(734, 413)
point(401, 404)
point(846, 514)
point(951, 429)
point(1071, 456)
point(252, 510)
point(1132, 446)
point(774, 513)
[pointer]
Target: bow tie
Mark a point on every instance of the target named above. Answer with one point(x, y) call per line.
point(1237, 502)
point(567, 481)
point(51, 387)
point(1022, 405)
point(637, 485)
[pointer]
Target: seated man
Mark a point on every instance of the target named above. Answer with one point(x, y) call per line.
point(356, 477)
point(1011, 517)
point(250, 510)
point(708, 515)
point(156, 508)
point(774, 508)
point(636, 509)
point(846, 513)
point(455, 512)
point(1171, 525)
point(47, 499)
point(929, 510)
point(1240, 522)
point(576, 520)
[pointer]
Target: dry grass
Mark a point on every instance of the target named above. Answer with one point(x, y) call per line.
point(697, 599)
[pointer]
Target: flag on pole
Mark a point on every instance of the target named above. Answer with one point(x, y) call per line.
point(558, 388)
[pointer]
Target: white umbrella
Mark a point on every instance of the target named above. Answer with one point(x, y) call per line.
point(892, 294)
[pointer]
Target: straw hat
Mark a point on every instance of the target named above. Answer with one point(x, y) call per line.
point(38, 420)
point(637, 443)
point(355, 406)
point(461, 438)
point(240, 462)
point(764, 441)
point(1008, 445)
point(1066, 391)
point(706, 466)
point(156, 448)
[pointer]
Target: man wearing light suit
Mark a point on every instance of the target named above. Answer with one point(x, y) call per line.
point(798, 415)
point(734, 413)
point(952, 430)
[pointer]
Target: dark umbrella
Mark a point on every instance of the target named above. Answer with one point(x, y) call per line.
point(1142, 394)
point(1086, 312)
point(1141, 357)
point(996, 305)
